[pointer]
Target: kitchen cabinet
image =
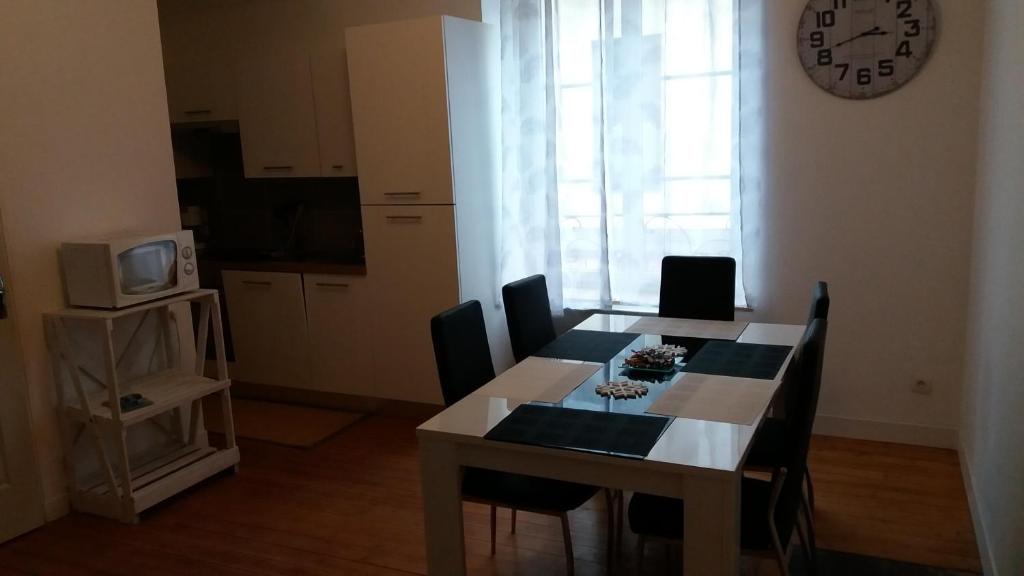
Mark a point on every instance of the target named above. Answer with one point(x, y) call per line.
point(200, 86)
point(339, 315)
point(411, 264)
point(333, 112)
point(277, 116)
point(400, 112)
point(268, 328)
point(426, 111)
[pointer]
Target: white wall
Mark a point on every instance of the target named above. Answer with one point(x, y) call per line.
point(876, 198)
point(247, 26)
point(85, 151)
point(993, 426)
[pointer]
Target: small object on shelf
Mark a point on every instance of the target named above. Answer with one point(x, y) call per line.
point(131, 402)
point(661, 358)
point(622, 390)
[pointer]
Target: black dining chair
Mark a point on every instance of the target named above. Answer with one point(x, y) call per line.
point(528, 315)
point(775, 433)
point(819, 302)
point(698, 287)
point(464, 364)
point(769, 510)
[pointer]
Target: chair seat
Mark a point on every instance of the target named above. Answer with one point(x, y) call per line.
point(663, 517)
point(770, 445)
point(525, 492)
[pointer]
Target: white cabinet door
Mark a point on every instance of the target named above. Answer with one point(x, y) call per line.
point(339, 313)
point(277, 116)
point(400, 112)
point(200, 86)
point(411, 266)
point(268, 327)
point(333, 113)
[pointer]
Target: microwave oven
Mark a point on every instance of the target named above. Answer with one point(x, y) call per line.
point(122, 272)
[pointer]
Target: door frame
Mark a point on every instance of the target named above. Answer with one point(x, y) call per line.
point(22, 470)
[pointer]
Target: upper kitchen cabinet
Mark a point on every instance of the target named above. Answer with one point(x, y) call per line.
point(198, 64)
point(200, 86)
point(333, 112)
point(277, 117)
point(397, 74)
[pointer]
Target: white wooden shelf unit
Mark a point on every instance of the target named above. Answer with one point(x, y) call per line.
point(123, 491)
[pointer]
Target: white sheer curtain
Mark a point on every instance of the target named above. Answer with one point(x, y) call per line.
point(627, 127)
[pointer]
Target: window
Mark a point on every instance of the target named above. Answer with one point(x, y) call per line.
point(639, 102)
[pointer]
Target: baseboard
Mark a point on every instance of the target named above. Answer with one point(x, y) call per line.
point(988, 566)
point(318, 399)
point(56, 507)
point(915, 434)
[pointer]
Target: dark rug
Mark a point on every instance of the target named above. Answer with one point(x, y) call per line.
point(832, 563)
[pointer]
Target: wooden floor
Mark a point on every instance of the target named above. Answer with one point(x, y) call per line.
point(351, 506)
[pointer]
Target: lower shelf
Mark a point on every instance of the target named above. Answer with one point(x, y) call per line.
point(166, 390)
point(157, 481)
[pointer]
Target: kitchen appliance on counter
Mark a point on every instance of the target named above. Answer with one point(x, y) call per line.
point(121, 272)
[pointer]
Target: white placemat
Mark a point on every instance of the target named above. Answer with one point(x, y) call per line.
point(540, 379)
point(689, 328)
point(716, 398)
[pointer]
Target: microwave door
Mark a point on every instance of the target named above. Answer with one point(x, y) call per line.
point(149, 268)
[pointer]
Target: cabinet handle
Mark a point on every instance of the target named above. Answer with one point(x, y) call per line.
point(331, 285)
point(256, 282)
point(401, 193)
point(337, 166)
point(201, 111)
point(281, 167)
point(404, 218)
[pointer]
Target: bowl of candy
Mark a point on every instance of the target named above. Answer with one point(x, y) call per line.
point(661, 359)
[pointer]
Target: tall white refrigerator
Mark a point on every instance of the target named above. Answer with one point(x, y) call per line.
point(426, 113)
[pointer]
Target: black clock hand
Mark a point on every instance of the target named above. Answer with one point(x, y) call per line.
point(876, 31)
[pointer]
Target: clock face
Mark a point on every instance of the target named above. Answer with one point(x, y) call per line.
point(865, 48)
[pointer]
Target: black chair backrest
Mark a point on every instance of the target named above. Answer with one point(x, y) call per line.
point(698, 287)
point(810, 356)
point(461, 351)
point(819, 302)
point(819, 310)
point(528, 314)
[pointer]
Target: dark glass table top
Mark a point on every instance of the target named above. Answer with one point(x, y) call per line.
point(585, 396)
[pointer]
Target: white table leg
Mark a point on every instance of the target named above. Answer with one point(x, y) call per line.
point(442, 509)
point(712, 526)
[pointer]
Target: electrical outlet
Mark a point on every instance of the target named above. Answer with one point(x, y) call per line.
point(921, 387)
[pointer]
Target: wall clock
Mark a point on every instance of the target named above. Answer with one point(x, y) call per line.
point(865, 48)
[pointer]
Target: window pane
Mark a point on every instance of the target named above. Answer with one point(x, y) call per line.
point(580, 231)
point(699, 36)
point(576, 142)
point(698, 125)
point(578, 28)
point(698, 197)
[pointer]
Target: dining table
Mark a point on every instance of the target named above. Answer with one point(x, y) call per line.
point(686, 436)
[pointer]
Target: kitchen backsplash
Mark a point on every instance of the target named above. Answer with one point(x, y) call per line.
point(234, 218)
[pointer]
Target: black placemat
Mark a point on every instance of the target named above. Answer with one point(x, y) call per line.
point(626, 435)
point(725, 358)
point(587, 345)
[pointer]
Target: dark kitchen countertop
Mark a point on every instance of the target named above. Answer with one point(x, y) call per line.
point(290, 266)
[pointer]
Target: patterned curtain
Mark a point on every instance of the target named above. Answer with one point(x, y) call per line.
point(630, 132)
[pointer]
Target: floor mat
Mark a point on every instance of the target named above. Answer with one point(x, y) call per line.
point(286, 424)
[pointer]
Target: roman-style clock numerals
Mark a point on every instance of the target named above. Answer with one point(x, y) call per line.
point(865, 48)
